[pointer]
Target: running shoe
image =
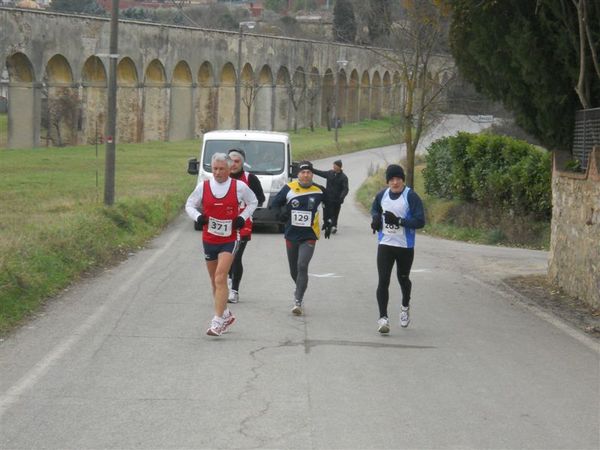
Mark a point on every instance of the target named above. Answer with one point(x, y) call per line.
point(228, 319)
point(217, 324)
point(384, 325)
point(297, 309)
point(234, 297)
point(404, 317)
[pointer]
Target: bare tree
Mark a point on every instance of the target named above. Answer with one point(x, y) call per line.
point(296, 90)
point(313, 92)
point(416, 45)
point(250, 91)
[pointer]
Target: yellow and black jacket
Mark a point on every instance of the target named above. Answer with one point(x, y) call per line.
point(300, 207)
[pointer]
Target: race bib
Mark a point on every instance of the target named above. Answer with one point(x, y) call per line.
point(220, 227)
point(390, 229)
point(301, 218)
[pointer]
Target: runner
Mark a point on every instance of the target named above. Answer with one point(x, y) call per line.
point(300, 200)
point(396, 212)
point(218, 199)
point(238, 157)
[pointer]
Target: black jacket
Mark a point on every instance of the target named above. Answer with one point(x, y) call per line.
point(253, 184)
point(337, 185)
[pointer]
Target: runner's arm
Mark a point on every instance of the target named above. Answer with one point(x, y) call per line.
point(256, 187)
point(193, 205)
point(247, 196)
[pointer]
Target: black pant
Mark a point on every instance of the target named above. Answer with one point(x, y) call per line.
point(237, 269)
point(387, 255)
point(332, 211)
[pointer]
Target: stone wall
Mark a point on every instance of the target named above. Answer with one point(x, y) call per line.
point(575, 246)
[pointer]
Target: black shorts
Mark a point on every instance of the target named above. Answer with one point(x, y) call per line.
point(211, 251)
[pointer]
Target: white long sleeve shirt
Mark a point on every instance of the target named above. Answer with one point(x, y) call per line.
point(246, 197)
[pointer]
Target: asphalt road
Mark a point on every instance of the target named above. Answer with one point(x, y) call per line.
point(122, 360)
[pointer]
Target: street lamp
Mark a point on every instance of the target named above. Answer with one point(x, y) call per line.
point(341, 64)
point(238, 83)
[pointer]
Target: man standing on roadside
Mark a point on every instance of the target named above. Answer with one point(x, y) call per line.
point(238, 158)
point(214, 205)
point(300, 200)
point(396, 213)
point(336, 191)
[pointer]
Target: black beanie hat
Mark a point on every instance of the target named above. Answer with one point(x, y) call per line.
point(338, 163)
point(394, 170)
point(305, 165)
point(238, 150)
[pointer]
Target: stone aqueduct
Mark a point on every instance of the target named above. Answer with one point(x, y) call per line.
point(175, 82)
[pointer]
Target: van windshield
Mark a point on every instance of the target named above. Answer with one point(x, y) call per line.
point(262, 158)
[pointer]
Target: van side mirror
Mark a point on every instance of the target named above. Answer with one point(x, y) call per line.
point(294, 169)
point(193, 166)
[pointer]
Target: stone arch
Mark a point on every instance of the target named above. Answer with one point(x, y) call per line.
point(94, 100)
point(155, 101)
point(227, 82)
point(263, 104)
point(365, 95)
point(207, 102)
point(313, 98)
point(181, 114)
point(327, 98)
point(375, 107)
point(387, 94)
point(282, 102)
point(60, 103)
point(342, 93)
point(23, 120)
point(129, 102)
point(248, 91)
point(353, 90)
point(297, 97)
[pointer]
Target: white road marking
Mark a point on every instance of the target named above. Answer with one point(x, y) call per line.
point(35, 374)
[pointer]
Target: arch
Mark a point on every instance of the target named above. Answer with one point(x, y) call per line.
point(263, 117)
point(387, 94)
point(23, 122)
point(226, 109)
point(94, 100)
point(342, 91)
point(297, 97)
point(155, 101)
point(181, 113)
point(248, 91)
point(313, 98)
point(60, 103)
point(353, 90)
point(207, 102)
point(129, 102)
point(375, 107)
point(282, 102)
point(182, 74)
point(327, 98)
point(365, 95)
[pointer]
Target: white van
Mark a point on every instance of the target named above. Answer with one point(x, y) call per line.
point(268, 156)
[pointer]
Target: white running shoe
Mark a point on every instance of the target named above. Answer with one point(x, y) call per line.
point(297, 309)
point(229, 283)
point(217, 324)
point(404, 317)
point(228, 319)
point(234, 297)
point(384, 325)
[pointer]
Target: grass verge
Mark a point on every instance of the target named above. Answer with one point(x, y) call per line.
point(3, 130)
point(54, 227)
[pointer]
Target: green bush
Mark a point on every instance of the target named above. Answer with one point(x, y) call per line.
point(494, 171)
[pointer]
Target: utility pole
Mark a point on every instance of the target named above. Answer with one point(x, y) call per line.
point(111, 120)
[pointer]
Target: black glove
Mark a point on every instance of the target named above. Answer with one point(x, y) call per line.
point(238, 222)
point(391, 219)
point(327, 228)
point(283, 215)
point(200, 221)
point(376, 223)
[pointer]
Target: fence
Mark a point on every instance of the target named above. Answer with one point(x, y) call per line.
point(586, 135)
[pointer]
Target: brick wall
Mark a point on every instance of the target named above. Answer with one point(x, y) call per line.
point(575, 245)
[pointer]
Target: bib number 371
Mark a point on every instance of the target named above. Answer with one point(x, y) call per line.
point(301, 218)
point(220, 227)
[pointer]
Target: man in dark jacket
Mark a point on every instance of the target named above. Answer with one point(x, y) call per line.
point(335, 192)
